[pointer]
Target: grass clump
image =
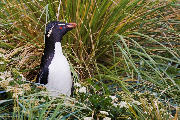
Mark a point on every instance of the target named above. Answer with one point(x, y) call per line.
point(124, 57)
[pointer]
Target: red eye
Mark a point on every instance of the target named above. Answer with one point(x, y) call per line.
point(60, 27)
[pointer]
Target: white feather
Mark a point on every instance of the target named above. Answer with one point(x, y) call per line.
point(50, 31)
point(59, 78)
point(61, 24)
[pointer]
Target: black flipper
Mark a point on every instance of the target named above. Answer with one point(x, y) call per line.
point(42, 76)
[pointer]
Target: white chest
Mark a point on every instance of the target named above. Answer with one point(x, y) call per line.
point(59, 78)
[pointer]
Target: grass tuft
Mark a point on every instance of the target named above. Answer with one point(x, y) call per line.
point(124, 56)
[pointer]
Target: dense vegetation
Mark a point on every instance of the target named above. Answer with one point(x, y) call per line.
point(124, 56)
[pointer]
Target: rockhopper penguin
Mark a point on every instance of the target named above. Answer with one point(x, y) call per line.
point(55, 71)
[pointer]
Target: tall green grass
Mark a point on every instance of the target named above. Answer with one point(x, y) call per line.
point(97, 21)
point(124, 48)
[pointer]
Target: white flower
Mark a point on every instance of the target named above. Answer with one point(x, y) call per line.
point(115, 104)
point(82, 90)
point(1, 63)
point(77, 84)
point(88, 118)
point(107, 118)
point(136, 102)
point(23, 78)
point(123, 104)
point(9, 79)
point(104, 112)
point(113, 97)
point(16, 58)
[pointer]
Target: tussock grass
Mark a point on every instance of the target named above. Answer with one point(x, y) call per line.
point(124, 55)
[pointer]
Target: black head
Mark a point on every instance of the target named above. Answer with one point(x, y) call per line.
point(55, 30)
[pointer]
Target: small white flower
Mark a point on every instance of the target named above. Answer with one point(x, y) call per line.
point(107, 118)
point(104, 112)
point(9, 79)
point(77, 84)
point(113, 97)
point(82, 90)
point(136, 102)
point(115, 104)
point(88, 118)
point(23, 78)
point(16, 58)
point(1, 63)
point(123, 104)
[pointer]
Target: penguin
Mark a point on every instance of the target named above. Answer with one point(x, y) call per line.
point(55, 71)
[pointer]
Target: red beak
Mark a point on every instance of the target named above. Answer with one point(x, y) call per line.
point(71, 25)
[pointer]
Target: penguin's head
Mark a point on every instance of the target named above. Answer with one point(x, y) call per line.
point(58, 29)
